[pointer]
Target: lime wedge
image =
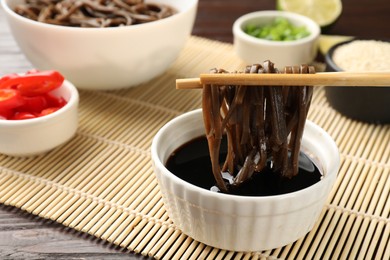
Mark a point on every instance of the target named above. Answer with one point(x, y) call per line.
point(324, 12)
point(325, 42)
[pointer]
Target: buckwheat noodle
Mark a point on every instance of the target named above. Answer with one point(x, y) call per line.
point(261, 123)
point(93, 13)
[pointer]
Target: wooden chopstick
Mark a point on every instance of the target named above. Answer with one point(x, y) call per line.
point(348, 79)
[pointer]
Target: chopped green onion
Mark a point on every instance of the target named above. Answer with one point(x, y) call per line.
point(279, 30)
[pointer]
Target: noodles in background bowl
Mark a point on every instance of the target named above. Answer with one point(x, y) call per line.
point(93, 13)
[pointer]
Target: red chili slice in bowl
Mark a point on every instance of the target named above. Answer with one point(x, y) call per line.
point(54, 101)
point(34, 104)
point(6, 114)
point(30, 95)
point(48, 111)
point(23, 116)
point(33, 83)
point(10, 99)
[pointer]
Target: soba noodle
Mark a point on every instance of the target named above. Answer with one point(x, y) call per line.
point(93, 13)
point(261, 123)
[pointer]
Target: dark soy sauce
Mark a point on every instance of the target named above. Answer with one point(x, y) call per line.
point(191, 162)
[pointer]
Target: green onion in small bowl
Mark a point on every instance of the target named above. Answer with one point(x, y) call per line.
point(280, 29)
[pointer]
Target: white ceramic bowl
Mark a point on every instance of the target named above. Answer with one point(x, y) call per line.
point(242, 223)
point(104, 58)
point(254, 50)
point(38, 135)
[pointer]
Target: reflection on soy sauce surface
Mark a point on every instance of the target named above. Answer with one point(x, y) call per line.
point(191, 162)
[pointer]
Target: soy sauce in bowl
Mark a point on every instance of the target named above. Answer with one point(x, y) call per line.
point(191, 162)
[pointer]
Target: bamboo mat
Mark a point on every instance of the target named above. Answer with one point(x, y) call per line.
point(101, 182)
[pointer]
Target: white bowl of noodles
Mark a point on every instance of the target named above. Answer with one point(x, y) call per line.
point(104, 58)
point(242, 223)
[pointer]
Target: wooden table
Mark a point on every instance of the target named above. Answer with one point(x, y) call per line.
point(23, 235)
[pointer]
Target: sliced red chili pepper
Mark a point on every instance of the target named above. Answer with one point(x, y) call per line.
point(54, 101)
point(34, 83)
point(4, 79)
point(10, 99)
point(29, 95)
point(6, 113)
point(48, 111)
point(33, 104)
point(23, 116)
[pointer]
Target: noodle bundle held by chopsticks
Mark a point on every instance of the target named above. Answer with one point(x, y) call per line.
point(93, 13)
point(262, 124)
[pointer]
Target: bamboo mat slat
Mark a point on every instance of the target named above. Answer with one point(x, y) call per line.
point(101, 182)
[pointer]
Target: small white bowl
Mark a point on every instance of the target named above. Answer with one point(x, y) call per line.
point(104, 58)
point(242, 223)
point(254, 50)
point(38, 135)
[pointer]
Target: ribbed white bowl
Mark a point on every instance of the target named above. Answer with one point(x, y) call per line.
point(242, 223)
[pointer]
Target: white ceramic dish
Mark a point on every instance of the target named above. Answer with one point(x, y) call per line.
point(242, 223)
point(254, 50)
point(104, 58)
point(38, 135)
